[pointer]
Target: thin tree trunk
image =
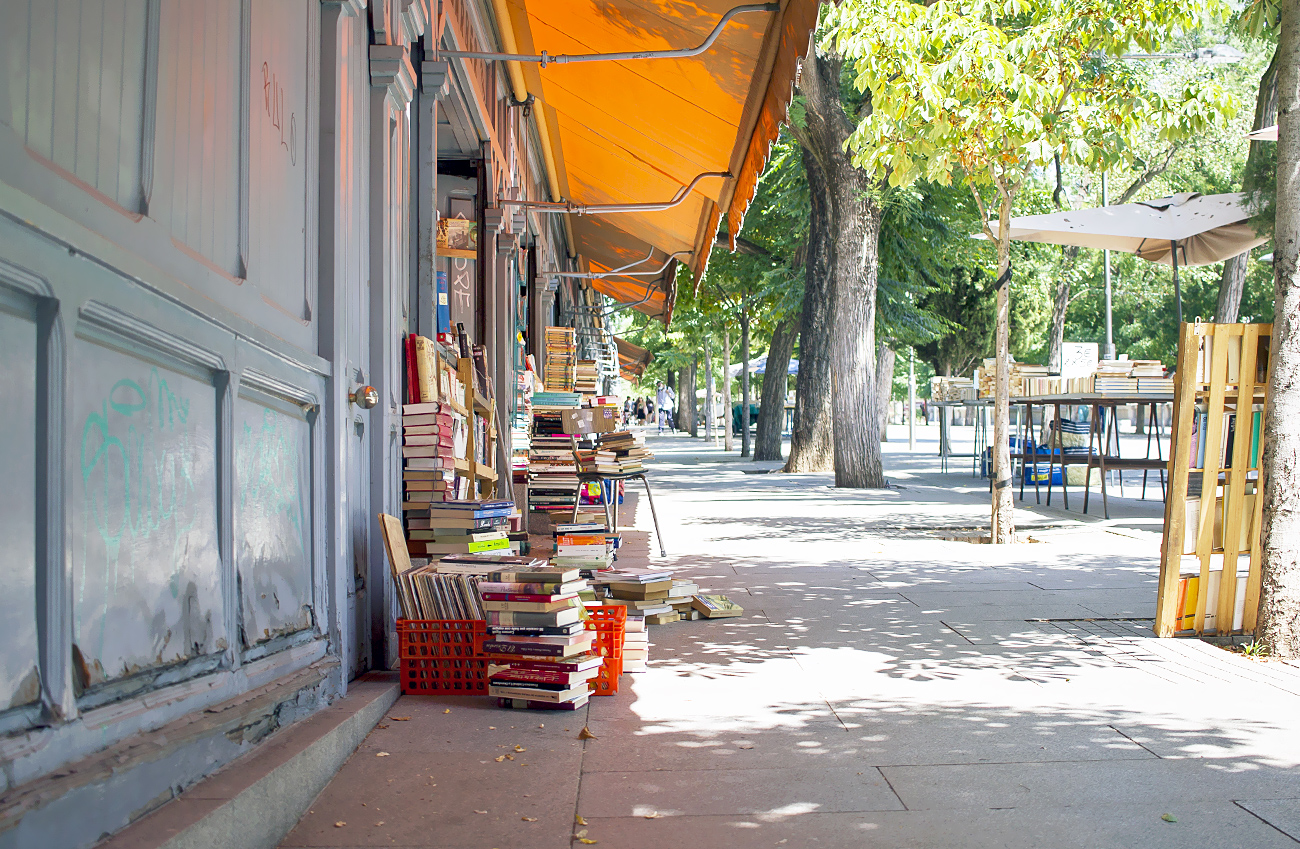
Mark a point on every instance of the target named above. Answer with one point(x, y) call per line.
point(744, 378)
point(1061, 305)
point(884, 385)
point(1279, 602)
point(709, 412)
point(1003, 523)
point(771, 406)
point(726, 387)
point(1233, 279)
point(686, 418)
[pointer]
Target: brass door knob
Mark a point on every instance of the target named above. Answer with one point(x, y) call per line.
point(365, 397)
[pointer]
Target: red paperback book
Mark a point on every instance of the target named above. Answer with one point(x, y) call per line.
point(412, 373)
point(526, 597)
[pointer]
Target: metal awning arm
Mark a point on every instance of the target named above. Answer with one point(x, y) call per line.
point(569, 206)
point(545, 58)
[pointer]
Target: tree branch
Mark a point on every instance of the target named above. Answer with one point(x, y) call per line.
point(1151, 173)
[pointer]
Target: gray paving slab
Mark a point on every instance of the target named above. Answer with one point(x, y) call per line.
point(1282, 814)
point(1154, 781)
point(1111, 827)
point(752, 791)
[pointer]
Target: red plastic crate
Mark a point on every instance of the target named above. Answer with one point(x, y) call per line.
point(610, 623)
point(443, 656)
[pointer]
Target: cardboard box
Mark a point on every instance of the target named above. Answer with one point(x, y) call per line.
point(589, 420)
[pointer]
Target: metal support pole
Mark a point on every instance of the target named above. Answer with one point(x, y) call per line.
point(911, 399)
point(1108, 352)
point(1178, 292)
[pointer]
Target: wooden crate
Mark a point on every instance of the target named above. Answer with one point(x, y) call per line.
point(1222, 370)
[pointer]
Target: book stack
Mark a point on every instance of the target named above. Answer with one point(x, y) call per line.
point(536, 633)
point(561, 359)
point(646, 599)
point(585, 377)
point(680, 596)
point(620, 452)
point(952, 389)
point(1024, 378)
point(1113, 377)
point(588, 546)
point(425, 593)
point(552, 470)
point(636, 645)
point(1151, 380)
point(433, 437)
point(460, 527)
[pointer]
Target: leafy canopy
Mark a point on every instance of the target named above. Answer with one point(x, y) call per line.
point(981, 90)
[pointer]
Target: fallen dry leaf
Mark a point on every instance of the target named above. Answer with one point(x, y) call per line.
point(499, 758)
point(580, 832)
point(510, 757)
point(381, 754)
point(381, 822)
point(529, 819)
point(587, 840)
point(480, 812)
point(399, 718)
point(492, 728)
point(579, 820)
point(652, 815)
point(543, 725)
point(519, 748)
point(381, 725)
point(585, 734)
point(339, 824)
point(1169, 818)
point(448, 710)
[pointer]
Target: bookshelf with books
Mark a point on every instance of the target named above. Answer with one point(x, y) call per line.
point(1209, 565)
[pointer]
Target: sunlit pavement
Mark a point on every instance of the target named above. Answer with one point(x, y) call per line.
point(885, 688)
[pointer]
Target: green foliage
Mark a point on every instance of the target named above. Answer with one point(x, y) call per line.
point(980, 91)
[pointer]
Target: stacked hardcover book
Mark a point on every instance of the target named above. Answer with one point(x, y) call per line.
point(680, 596)
point(433, 437)
point(460, 527)
point(620, 452)
point(537, 635)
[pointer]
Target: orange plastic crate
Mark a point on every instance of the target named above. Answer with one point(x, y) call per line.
point(443, 656)
point(609, 622)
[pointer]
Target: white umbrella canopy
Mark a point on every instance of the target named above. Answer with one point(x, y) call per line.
point(1206, 228)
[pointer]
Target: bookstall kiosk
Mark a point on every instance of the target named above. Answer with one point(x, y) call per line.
point(1209, 562)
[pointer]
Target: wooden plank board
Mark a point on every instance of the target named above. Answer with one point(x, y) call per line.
point(1167, 611)
point(1217, 335)
point(399, 558)
point(1234, 493)
point(1253, 575)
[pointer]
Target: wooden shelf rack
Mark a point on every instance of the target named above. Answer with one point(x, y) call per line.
point(1212, 536)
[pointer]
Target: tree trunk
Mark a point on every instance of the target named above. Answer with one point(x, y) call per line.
point(884, 385)
point(744, 378)
point(771, 406)
point(1003, 525)
point(709, 412)
point(1060, 305)
point(1233, 279)
point(726, 387)
point(686, 399)
point(850, 220)
point(837, 348)
point(1279, 601)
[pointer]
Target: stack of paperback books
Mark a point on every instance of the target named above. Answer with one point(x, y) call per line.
point(460, 527)
point(537, 634)
point(620, 452)
point(586, 545)
point(636, 645)
point(561, 359)
point(586, 377)
point(433, 437)
point(680, 596)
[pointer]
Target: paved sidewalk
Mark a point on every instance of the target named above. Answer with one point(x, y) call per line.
point(886, 688)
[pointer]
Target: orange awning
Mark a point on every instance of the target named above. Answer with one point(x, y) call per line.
point(632, 359)
point(637, 131)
